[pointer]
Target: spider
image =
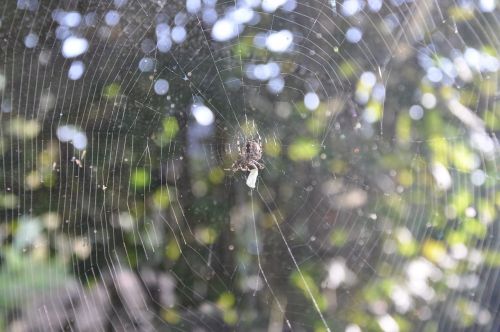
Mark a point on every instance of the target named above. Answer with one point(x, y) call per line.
point(248, 156)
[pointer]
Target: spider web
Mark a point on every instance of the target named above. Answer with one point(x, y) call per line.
point(377, 209)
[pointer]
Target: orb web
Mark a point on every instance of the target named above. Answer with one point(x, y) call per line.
point(377, 207)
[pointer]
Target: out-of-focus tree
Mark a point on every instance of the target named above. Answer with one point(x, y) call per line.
point(377, 208)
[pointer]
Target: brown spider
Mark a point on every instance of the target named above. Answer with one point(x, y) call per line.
point(248, 156)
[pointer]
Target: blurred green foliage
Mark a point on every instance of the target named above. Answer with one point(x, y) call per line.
point(406, 201)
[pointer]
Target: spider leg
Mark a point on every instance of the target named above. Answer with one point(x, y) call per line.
point(260, 165)
point(234, 167)
point(238, 145)
point(255, 165)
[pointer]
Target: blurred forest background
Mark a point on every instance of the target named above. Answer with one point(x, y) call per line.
point(377, 209)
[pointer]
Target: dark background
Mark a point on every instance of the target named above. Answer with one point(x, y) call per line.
point(363, 219)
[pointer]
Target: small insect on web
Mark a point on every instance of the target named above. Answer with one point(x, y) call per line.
point(252, 178)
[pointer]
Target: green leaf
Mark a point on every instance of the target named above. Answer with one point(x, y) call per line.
point(161, 198)
point(17, 282)
point(8, 201)
point(306, 284)
point(140, 178)
point(303, 149)
point(170, 128)
point(112, 90)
